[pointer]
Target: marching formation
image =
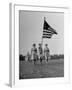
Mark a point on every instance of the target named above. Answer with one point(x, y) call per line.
point(39, 53)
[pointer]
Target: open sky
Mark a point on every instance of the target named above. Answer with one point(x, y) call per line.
point(31, 30)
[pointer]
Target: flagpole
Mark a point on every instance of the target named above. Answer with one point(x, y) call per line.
point(42, 41)
point(42, 37)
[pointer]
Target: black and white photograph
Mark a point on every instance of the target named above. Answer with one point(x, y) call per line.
point(41, 44)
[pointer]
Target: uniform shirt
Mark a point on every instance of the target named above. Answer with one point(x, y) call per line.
point(40, 50)
point(33, 53)
point(46, 50)
point(34, 50)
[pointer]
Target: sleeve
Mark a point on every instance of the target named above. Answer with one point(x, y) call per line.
point(31, 50)
point(44, 50)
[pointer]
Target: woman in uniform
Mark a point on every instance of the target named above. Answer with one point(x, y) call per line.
point(40, 52)
point(34, 53)
point(46, 52)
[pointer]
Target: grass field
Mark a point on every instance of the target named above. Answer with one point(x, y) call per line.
point(54, 68)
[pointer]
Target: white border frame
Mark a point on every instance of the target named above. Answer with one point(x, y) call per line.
point(14, 46)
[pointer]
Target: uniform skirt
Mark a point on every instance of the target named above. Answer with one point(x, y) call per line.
point(46, 55)
point(33, 56)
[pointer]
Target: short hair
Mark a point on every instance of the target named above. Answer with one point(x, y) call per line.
point(40, 44)
point(34, 44)
point(46, 44)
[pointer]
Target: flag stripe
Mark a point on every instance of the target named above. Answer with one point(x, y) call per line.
point(50, 30)
point(45, 31)
point(46, 36)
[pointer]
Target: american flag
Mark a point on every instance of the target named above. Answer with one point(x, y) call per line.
point(48, 31)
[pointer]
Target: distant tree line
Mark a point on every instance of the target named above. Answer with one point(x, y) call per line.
point(21, 57)
point(55, 56)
